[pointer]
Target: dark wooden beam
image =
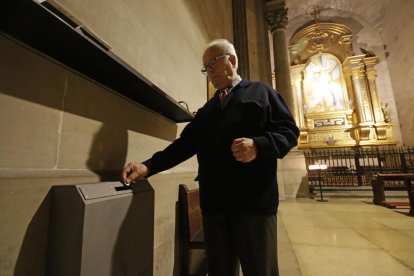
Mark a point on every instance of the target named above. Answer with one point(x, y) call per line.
point(56, 37)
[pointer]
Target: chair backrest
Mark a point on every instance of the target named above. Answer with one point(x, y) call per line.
point(191, 229)
point(192, 222)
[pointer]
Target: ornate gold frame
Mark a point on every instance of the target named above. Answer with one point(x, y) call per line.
point(361, 120)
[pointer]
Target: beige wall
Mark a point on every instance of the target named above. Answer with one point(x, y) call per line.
point(158, 38)
point(57, 127)
point(399, 39)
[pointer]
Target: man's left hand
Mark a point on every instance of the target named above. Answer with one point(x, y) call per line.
point(244, 149)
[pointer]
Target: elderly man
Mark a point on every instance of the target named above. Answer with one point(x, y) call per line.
point(237, 137)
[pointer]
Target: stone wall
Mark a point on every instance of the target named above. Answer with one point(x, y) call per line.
point(398, 40)
point(58, 127)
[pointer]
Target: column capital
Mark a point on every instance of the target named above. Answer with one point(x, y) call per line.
point(276, 16)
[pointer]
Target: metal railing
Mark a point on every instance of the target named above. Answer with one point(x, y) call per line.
point(357, 166)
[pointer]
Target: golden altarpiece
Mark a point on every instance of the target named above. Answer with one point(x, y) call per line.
point(334, 91)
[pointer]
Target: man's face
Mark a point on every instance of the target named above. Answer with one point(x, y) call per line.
point(220, 69)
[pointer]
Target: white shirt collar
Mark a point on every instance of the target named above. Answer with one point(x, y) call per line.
point(235, 82)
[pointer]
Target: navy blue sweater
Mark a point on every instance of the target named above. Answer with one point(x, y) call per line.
point(253, 110)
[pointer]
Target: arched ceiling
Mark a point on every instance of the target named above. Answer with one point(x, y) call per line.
point(364, 18)
point(356, 14)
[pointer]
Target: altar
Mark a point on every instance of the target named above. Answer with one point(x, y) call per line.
point(336, 103)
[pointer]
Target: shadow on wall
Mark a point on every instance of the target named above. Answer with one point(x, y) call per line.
point(108, 152)
point(303, 190)
point(32, 255)
point(34, 78)
point(31, 77)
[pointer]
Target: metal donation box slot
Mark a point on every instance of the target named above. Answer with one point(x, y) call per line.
point(101, 229)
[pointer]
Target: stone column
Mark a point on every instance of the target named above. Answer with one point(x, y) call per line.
point(240, 36)
point(277, 21)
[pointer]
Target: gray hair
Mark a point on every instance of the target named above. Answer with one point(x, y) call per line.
point(222, 44)
point(225, 46)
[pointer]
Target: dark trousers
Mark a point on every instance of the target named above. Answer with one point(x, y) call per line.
point(250, 239)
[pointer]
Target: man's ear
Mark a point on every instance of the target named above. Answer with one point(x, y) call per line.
point(233, 60)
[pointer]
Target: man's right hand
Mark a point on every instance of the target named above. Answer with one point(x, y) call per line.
point(133, 171)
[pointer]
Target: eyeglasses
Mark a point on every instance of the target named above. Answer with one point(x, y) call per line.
point(212, 63)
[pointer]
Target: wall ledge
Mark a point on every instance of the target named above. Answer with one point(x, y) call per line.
point(45, 30)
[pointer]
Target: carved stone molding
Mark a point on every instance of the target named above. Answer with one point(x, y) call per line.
point(276, 18)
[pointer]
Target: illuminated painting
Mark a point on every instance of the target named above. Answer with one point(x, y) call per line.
point(323, 85)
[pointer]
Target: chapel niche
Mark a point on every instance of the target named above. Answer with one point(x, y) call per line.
point(334, 91)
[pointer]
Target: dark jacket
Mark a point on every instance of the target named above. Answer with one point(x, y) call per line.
point(252, 110)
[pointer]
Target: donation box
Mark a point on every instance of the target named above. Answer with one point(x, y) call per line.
point(101, 229)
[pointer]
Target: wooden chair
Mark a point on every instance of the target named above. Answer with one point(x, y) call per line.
point(379, 194)
point(191, 228)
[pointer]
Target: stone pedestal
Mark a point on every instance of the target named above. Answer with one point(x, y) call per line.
point(292, 176)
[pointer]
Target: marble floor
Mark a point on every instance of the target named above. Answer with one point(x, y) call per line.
point(344, 237)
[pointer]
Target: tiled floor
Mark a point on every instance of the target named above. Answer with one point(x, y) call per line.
point(344, 237)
